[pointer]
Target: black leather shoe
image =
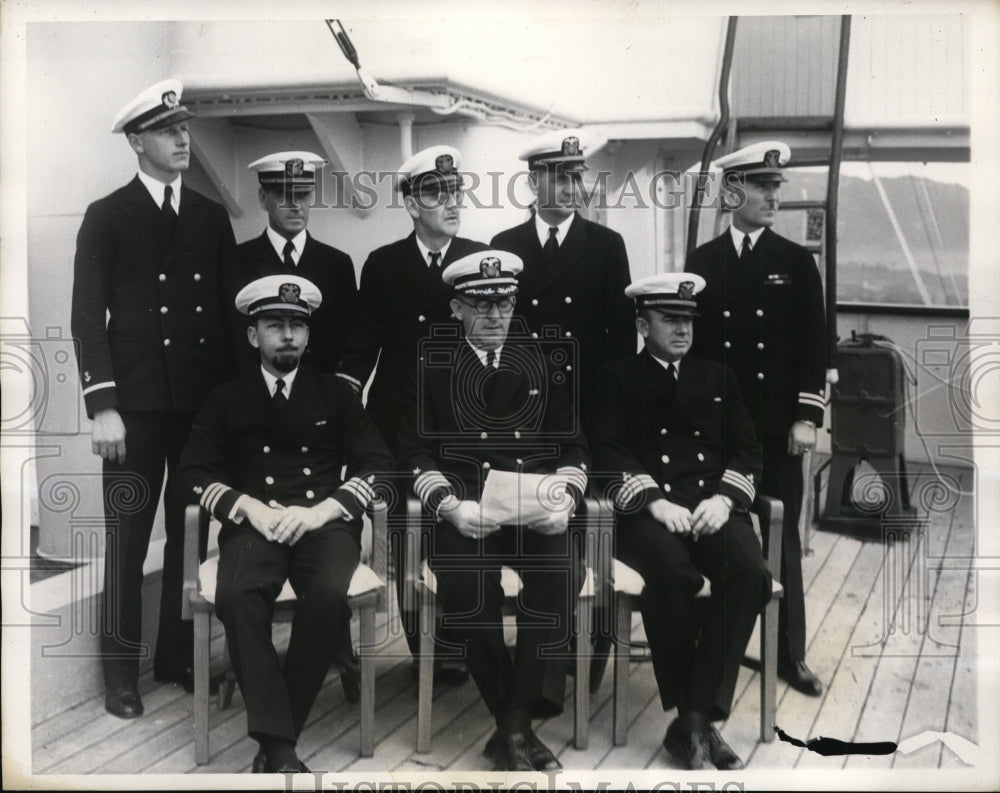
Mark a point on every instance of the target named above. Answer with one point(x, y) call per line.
point(259, 762)
point(185, 679)
point(541, 756)
point(509, 751)
point(123, 701)
point(799, 677)
point(262, 766)
point(292, 769)
point(454, 673)
point(687, 742)
point(722, 754)
point(350, 681)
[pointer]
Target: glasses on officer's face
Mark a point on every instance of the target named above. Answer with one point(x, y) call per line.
point(441, 197)
point(504, 305)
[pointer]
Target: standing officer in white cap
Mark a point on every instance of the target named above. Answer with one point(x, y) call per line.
point(575, 270)
point(400, 300)
point(265, 457)
point(287, 192)
point(675, 431)
point(490, 401)
point(763, 315)
point(151, 261)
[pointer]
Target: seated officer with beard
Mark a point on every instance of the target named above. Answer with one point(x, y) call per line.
point(265, 457)
point(674, 428)
point(488, 401)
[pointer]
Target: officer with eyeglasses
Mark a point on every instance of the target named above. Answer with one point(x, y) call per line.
point(400, 299)
point(490, 400)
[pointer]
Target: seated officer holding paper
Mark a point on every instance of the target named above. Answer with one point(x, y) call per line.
point(265, 458)
point(490, 401)
point(674, 426)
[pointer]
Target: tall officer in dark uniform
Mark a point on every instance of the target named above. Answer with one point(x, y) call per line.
point(287, 191)
point(401, 298)
point(489, 402)
point(265, 457)
point(762, 315)
point(575, 270)
point(148, 313)
point(675, 430)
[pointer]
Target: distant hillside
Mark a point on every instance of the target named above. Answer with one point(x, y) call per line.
point(933, 217)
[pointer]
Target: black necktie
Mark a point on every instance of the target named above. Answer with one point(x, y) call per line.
point(671, 382)
point(279, 400)
point(289, 263)
point(167, 209)
point(551, 247)
point(435, 261)
point(491, 359)
point(745, 250)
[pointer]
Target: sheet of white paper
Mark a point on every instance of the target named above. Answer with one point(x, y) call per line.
point(512, 498)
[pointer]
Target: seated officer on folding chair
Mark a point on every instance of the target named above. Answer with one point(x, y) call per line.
point(675, 428)
point(491, 402)
point(265, 457)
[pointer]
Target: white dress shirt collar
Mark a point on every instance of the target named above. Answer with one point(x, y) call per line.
point(426, 252)
point(481, 354)
point(737, 237)
point(270, 380)
point(666, 364)
point(299, 241)
point(156, 187)
point(542, 229)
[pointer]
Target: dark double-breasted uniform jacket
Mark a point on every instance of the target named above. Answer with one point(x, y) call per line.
point(582, 295)
point(238, 445)
point(327, 267)
point(399, 300)
point(698, 445)
point(765, 320)
point(472, 421)
point(164, 345)
point(685, 441)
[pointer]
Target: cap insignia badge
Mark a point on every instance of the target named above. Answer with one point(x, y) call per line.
point(294, 168)
point(170, 99)
point(686, 290)
point(489, 267)
point(289, 293)
point(571, 146)
point(445, 163)
point(771, 158)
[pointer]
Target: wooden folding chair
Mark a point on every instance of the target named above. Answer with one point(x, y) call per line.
point(366, 596)
point(423, 583)
point(627, 586)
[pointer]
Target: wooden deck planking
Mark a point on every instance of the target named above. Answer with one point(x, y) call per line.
point(852, 684)
point(898, 653)
point(883, 693)
point(927, 706)
point(105, 733)
point(845, 582)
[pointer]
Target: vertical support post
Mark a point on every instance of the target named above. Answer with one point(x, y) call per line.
point(202, 648)
point(623, 635)
point(425, 690)
point(367, 679)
